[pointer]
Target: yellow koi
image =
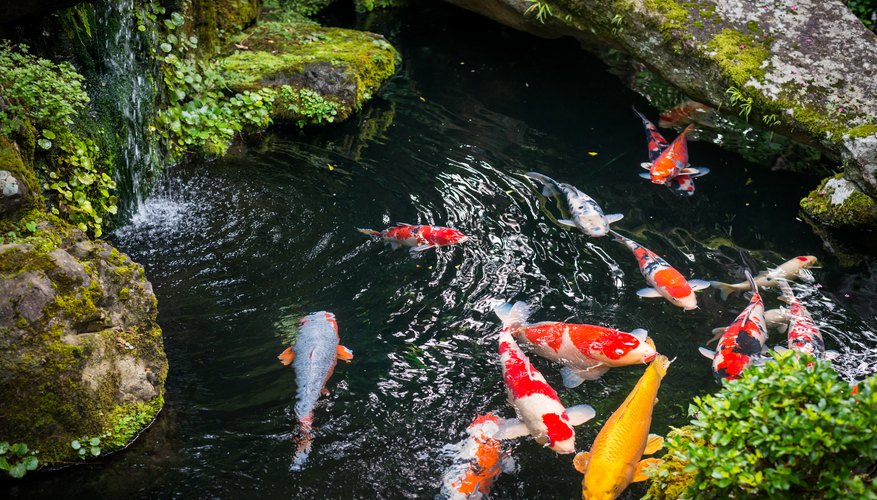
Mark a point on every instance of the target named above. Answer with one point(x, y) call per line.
point(615, 457)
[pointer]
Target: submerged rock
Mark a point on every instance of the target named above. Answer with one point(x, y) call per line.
point(806, 69)
point(840, 203)
point(80, 353)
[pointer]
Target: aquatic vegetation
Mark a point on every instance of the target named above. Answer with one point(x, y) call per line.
point(740, 101)
point(790, 428)
point(539, 9)
point(86, 445)
point(17, 459)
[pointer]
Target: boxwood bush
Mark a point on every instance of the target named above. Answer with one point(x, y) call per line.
point(788, 429)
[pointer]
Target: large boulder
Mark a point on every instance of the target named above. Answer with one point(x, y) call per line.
point(806, 69)
point(80, 353)
point(320, 74)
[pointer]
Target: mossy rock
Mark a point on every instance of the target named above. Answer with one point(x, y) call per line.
point(344, 67)
point(19, 189)
point(839, 203)
point(80, 353)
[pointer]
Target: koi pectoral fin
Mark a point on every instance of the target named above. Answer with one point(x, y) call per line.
point(698, 284)
point(580, 414)
point(580, 462)
point(706, 352)
point(343, 353)
point(646, 165)
point(612, 218)
point(287, 356)
point(642, 471)
point(566, 222)
point(717, 334)
point(650, 293)
point(512, 428)
point(645, 175)
point(654, 443)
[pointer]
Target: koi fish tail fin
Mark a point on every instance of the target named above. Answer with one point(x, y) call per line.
point(369, 232)
point(725, 290)
point(512, 315)
point(549, 185)
point(787, 291)
point(287, 356)
point(752, 283)
point(303, 445)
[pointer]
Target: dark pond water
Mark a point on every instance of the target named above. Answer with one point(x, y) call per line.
point(239, 248)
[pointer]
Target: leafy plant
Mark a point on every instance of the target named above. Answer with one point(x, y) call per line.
point(617, 27)
point(770, 120)
point(17, 459)
point(86, 446)
point(741, 101)
point(789, 429)
point(540, 8)
point(309, 104)
point(866, 10)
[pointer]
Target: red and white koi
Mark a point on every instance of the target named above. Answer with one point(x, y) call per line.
point(314, 355)
point(586, 351)
point(792, 268)
point(541, 412)
point(663, 163)
point(665, 281)
point(803, 334)
point(477, 460)
point(419, 238)
point(742, 342)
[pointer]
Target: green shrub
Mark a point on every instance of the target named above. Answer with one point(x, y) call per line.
point(46, 96)
point(784, 430)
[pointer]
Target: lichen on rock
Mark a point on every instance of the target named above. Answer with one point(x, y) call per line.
point(840, 203)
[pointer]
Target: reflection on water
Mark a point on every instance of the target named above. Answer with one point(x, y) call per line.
point(239, 247)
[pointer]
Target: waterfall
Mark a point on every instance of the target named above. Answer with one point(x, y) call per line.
point(128, 96)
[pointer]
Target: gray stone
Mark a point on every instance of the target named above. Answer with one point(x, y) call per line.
point(67, 269)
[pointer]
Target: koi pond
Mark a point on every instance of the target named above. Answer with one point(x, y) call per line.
point(239, 248)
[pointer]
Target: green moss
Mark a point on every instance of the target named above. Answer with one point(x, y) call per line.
point(279, 52)
point(79, 305)
point(858, 210)
point(124, 294)
point(128, 420)
point(863, 130)
point(739, 56)
point(670, 479)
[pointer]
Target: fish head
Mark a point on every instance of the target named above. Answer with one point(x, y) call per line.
point(806, 260)
point(484, 425)
point(597, 486)
point(616, 348)
point(660, 365)
point(560, 434)
point(448, 236)
point(688, 302)
point(663, 170)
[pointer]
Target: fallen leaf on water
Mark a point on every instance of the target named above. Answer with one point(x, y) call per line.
point(592, 153)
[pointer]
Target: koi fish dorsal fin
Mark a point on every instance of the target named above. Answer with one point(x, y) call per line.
point(653, 444)
point(641, 474)
point(343, 353)
point(580, 462)
point(287, 356)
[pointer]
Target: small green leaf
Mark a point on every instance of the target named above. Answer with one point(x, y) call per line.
point(166, 47)
point(18, 470)
point(31, 463)
point(4, 445)
point(75, 445)
point(48, 134)
point(18, 449)
point(94, 441)
point(31, 226)
point(45, 143)
point(95, 451)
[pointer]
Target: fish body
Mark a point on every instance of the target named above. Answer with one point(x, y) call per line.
point(797, 267)
point(664, 161)
point(742, 342)
point(803, 334)
point(478, 460)
point(665, 281)
point(419, 238)
point(313, 357)
point(615, 458)
point(585, 213)
point(688, 112)
point(586, 351)
point(535, 402)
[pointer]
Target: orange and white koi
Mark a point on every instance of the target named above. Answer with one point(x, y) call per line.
point(803, 334)
point(797, 267)
point(419, 238)
point(688, 112)
point(585, 213)
point(615, 458)
point(666, 281)
point(742, 343)
point(541, 412)
point(679, 180)
point(314, 355)
point(477, 460)
point(586, 351)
